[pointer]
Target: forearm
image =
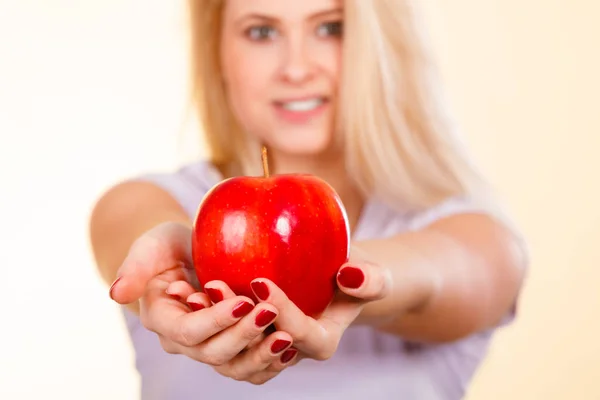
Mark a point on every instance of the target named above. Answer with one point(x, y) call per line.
point(457, 276)
point(122, 215)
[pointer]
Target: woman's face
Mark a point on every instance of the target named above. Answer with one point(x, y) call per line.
point(281, 66)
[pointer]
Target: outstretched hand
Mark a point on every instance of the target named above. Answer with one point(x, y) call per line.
point(213, 326)
point(359, 282)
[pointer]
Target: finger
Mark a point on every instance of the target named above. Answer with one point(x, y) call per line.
point(164, 247)
point(184, 292)
point(366, 281)
point(291, 357)
point(258, 358)
point(288, 358)
point(198, 300)
point(268, 330)
point(168, 345)
point(180, 290)
point(218, 291)
point(262, 377)
point(359, 284)
point(340, 314)
point(309, 335)
point(256, 340)
point(191, 328)
point(231, 342)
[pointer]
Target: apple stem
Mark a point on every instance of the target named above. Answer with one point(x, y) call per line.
point(265, 163)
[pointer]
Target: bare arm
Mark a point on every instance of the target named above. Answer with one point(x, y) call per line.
point(122, 215)
point(457, 276)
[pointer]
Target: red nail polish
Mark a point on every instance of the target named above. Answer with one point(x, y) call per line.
point(110, 290)
point(265, 317)
point(287, 356)
point(175, 296)
point(195, 306)
point(241, 309)
point(261, 290)
point(279, 345)
point(215, 295)
point(351, 277)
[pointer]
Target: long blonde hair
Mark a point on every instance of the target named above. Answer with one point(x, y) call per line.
point(400, 144)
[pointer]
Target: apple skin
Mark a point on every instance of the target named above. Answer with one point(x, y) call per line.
point(292, 229)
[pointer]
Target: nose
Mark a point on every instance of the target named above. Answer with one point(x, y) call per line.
point(297, 66)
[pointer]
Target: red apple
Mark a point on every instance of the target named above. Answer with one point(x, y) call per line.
point(291, 229)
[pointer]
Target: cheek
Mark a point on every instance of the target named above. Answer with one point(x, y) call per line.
point(246, 78)
point(328, 56)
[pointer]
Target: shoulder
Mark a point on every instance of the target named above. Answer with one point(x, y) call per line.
point(187, 184)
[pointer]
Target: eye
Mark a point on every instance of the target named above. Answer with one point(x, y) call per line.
point(260, 33)
point(330, 29)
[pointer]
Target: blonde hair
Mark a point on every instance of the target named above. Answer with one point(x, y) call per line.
point(400, 144)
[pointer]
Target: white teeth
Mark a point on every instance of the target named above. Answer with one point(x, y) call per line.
point(304, 105)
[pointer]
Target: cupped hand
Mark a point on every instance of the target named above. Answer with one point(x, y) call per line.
point(360, 282)
point(265, 355)
point(158, 273)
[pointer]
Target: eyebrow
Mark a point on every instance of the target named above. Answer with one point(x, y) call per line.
point(271, 18)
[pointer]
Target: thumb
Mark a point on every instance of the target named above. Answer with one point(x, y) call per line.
point(164, 247)
point(365, 281)
point(359, 283)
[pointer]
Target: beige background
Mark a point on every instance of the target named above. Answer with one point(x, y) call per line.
point(93, 91)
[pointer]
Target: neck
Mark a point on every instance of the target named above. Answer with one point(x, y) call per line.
point(331, 169)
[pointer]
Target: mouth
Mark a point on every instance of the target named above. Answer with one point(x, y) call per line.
point(302, 105)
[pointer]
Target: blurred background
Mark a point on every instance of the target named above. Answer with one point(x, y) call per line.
point(95, 91)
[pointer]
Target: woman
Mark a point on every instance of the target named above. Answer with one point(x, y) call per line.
point(341, 90)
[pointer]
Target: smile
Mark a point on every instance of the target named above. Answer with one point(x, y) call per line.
point(303, 105)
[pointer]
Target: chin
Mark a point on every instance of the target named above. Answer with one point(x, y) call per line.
point(302, 143)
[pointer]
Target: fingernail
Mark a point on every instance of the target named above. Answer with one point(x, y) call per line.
point(265, 317)
point(195, 306)
point(287, 356)
point(215, 295)
point(241, 309)
point(174, 296)
point(113, 286)
point(351, 277)
point(279, 345)
point(261, 290)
